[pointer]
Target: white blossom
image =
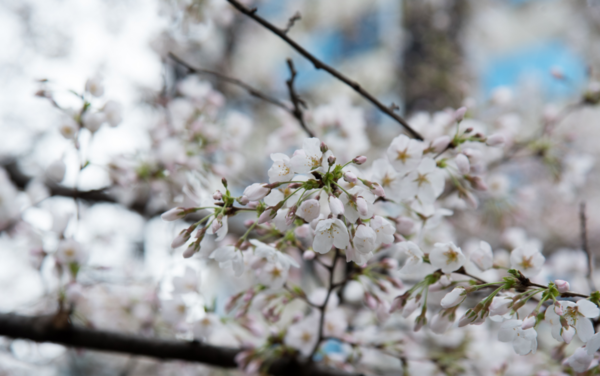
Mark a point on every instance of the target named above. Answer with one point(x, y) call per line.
point(577, 315)
point(309, 210)
point(187, 283)
point(203, 328)
point(351, 207)
point(384, 230)
point(414, 253)
point(282, 168)
point(308, 158)
point(454, 297)
point(404, 154)
point(528, 260)
point(70, 251)
point(229, 257)
point(219, 230)
point(523, 341)
point(365, 239)
point(112, 110)
point(580, 361)
point(426, 182)
point(483, 256)
point(256, 192)
point(328, 233)
point(336, 206)
point(446, 256)
point(303, 335)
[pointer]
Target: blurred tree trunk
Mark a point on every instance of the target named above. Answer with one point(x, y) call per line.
point(432, 58)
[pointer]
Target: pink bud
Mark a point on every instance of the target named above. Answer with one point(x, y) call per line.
point(248, 222)
point(362, 206)
point(389, 263)
point(359, 160)
point(303, 231)
point(462, 162)
point(495, 140)
point(308, 255)
point(404, 225)
point(459, 114)
point(529, 322)
point(173, 214)
point(336, 206)
point(266, 216)
point(256, 192)
point(378, 190)
point(191, 250)
point(181, 239)
point(558, 309)
point(217, 196)
point(350, 177)
point(244, 200)
point(252, 204)
point(331, 160)
point(440, 143)
point(478, 183)
point(324, 147)
point(471, 200)
point(216, 225)
point(370, 301)
point(562, 286)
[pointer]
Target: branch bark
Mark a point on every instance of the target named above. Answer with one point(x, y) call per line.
point(318, 64)
point(295, 98)
point(45, 329)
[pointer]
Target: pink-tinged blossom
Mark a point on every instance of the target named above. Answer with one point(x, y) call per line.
point(281, 170)
point(173, 214)
point(350, 177)
point(441, 323)
point(459, 114)
point(447, 256)
point(336, 206)
point(580, 361)
point(440, 144)
point(229, 257)
point(93, 120)
point(359, 160)
point(405, 225)
point(220, 229)
point(562, 286)
point(384, 230)
point(483, 256)
point(495, 140)
point(576, 315)
point(426, 182)
point(405, 154)
point(365, 239)
point(329, 233)
point(303, 335)
point(462, 162)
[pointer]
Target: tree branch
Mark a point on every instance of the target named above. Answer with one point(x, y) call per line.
point(44, 329)
point(318, 64)
point(296, 100)
point(585, 247)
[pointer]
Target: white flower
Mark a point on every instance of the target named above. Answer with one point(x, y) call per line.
point(528, 260)
point(229, 257)
point(256, 192)
point(335, 323)
point(483, 256)
point(112, 110)
point(272, 255)
point(351, 207)
point(523, 341)
point(328, 233)
point(173, 214)
point(174, 311)
point(94, 86)
point(383, 173)
point(500, 305)
point(93, 120)
point(360, 258)
point(462, 162)
point(411, 305)
point(364, 239)
point(446, 256)
point(454, 297)
point(282, 220)
point(580, 361)
point(336, 206)
point(425, 182)
point(414, 253)
point(70, 251)
point(56, 170)
point(188, 283)
point(309, 210)
point(281, 169)
point(68, 128)
point(309, 157)
point(577, 315)
point(303, 335)
point(383, 229)
point(204, 327)
point(404, 154)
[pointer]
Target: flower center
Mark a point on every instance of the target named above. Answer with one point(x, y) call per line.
point(402, 155)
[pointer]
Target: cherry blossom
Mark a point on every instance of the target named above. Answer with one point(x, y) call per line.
point(523, 341)
point(404, 154)
point(328, 233)
point(282, 168)
point(414, 253)
point(447, 256)
point(528, 260)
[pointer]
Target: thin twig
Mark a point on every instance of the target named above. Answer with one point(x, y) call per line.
point(296, 100)
point(234, 81)
point(296, 17)
point(318, 64)
point(585, 246)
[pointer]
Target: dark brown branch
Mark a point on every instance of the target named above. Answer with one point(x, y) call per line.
point(295, 98)
point(44, 329)
point(318, 64)
point(585, 246)
point(234, 81)
point(296, 17)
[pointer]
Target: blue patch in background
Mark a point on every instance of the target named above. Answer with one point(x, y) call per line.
point(536, 62)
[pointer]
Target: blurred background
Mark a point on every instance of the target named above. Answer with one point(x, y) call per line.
point(512, 63)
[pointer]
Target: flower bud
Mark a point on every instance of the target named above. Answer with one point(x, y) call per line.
point(462, 162)
point(93, 120)
point(389, 263)
point(217, 196)
point(359, 160)
point(336, 206)
point(529, 322)
point(181, 239)
point(370, 301)
point(191, 250)
point(294, 185)
point(308, 255)
point(224, 181)
point(478, 183)
point(324, 147)
point(453, 298)
point(56, 171)
point(173, 214)
point(350, 177)
point(468, 318)
point(410, 307)
point(495, 140)
point(562, 286)
point(248, 222)
point(378, 190)
point(558, 309)
point(331, 160)
point(404, 225)
point(216, 225)
point(243, 200)
point(362, 206)
point(256, 192)
point(266, 216)
point(252, 204)
point(459, 114)
point(440, 143)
